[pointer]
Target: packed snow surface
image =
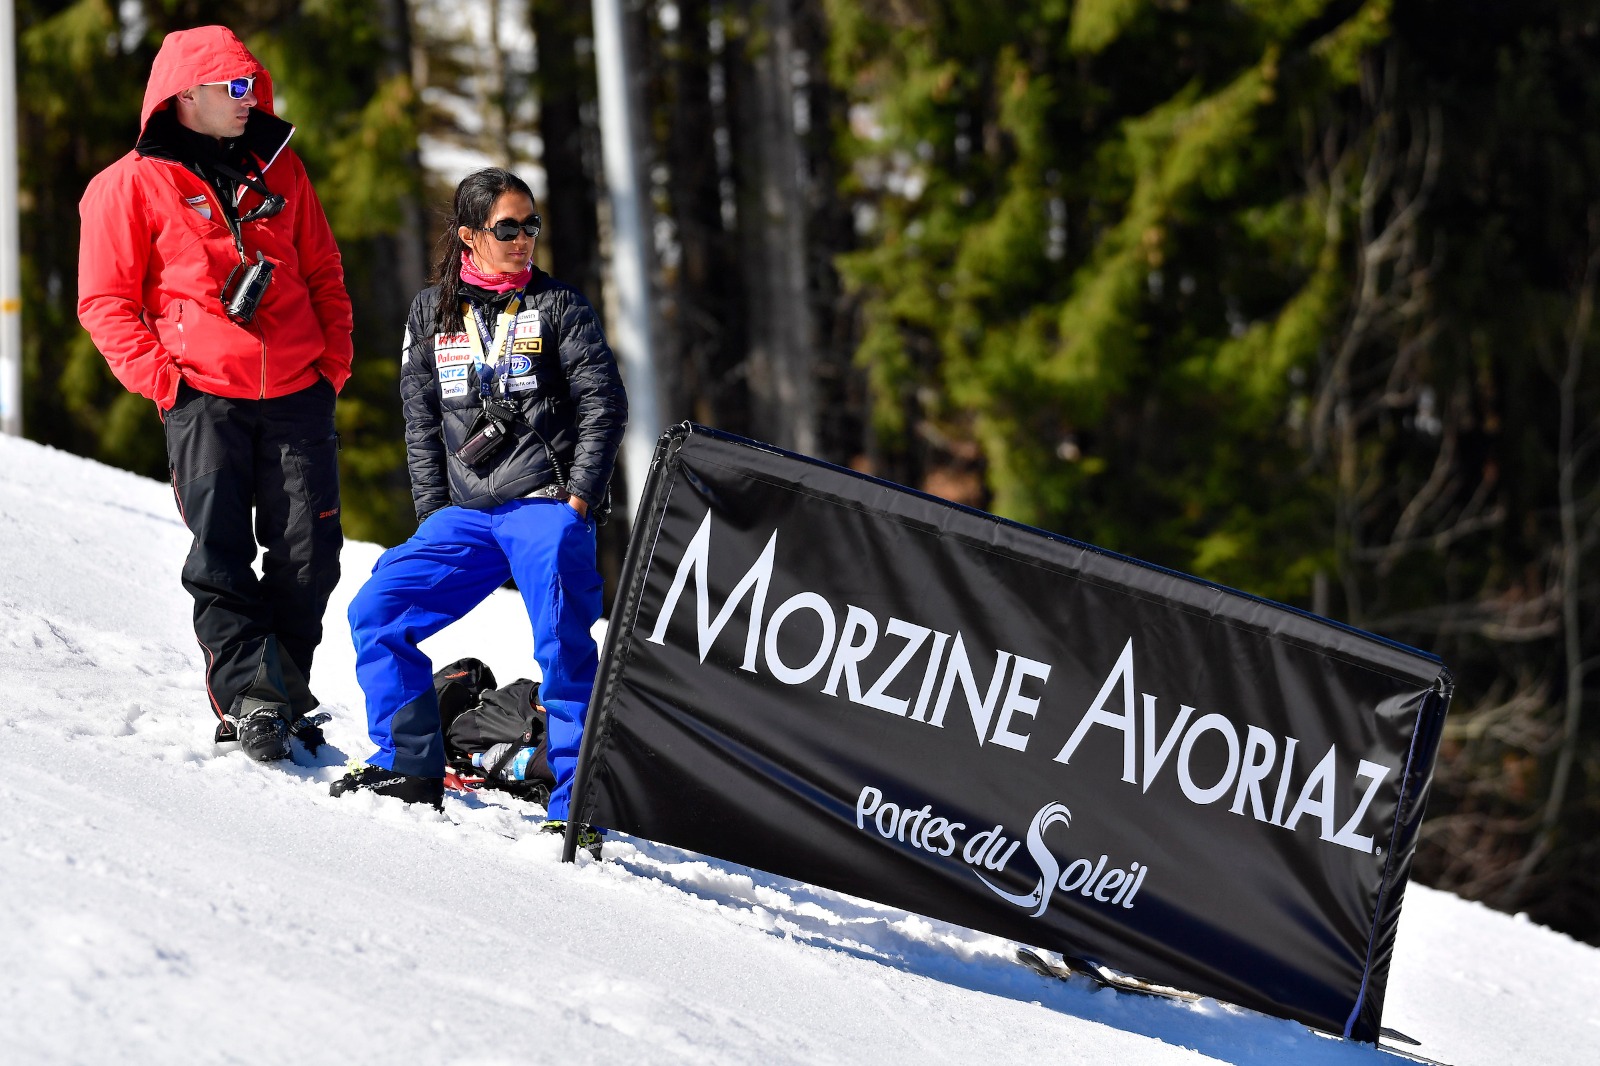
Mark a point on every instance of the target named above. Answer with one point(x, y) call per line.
point(162, 903)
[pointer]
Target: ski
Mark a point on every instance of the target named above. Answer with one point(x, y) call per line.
point(1405, 1053)
point(1069, 967)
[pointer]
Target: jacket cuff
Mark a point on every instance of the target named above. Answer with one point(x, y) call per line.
point(428, 509)
point(166, 394)
point(335, 371)
point(584, 488)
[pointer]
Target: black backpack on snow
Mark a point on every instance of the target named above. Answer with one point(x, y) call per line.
point(476, 716)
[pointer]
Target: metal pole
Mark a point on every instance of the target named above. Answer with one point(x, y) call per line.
point(10, 238)
point(630, 334)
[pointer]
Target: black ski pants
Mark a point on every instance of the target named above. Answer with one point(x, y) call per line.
point(249, 471)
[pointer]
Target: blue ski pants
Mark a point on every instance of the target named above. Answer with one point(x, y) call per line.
point(450, 565)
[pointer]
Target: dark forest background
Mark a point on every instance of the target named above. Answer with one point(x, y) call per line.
point(1294, 295)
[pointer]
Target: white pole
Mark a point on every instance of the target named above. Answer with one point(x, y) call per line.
point(630, 334)
point(10, 238)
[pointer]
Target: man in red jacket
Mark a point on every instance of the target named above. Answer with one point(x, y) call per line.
point(209, 279)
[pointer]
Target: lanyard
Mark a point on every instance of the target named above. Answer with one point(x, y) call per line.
point(500, 343)
point(270, 205)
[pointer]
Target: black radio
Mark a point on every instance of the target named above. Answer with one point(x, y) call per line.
point(490, 433)
point(244, 289)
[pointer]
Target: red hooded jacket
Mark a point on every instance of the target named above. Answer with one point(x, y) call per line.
point(156, 252)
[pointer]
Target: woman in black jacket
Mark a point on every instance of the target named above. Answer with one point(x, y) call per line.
point(514, 416)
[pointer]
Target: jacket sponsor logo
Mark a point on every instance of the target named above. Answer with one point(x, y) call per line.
point(528, 325)
point(991, 850)
point(450, 389)
point(452, 373)
point(941, 668)
point(520, 365)
point(200, 204)
point(450, 349)
point(529, 383)
point(527, 346)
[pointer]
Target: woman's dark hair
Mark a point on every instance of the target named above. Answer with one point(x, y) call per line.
point(474, 199)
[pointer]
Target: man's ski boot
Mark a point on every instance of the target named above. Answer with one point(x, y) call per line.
point(262, 730)
point(590, 838)
point(364, 777)
point(307, 729)
point(262, 717)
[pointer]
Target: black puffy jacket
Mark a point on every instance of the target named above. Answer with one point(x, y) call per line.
point(563, 384)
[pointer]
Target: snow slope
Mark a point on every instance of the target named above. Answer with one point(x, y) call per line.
point(161, 903)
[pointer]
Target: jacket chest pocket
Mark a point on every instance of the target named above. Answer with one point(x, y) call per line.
point(195, 239)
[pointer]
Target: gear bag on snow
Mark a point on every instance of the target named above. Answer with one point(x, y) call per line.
point(476, 716)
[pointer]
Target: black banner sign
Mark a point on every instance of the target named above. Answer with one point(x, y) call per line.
point(835, 679)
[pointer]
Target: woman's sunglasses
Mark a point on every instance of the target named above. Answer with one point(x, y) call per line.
point(238, 88)
point(507, 229)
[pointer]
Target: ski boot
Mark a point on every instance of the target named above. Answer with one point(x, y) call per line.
point(262, 730)
point(364, 777)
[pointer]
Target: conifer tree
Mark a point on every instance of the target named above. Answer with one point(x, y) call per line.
point(1297, 296)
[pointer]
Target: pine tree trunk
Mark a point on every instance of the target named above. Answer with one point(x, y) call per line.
point(772, 236)
point(707, 326)
point(565, 85)
point(408, 260)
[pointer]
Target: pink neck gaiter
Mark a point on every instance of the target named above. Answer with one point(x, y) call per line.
point(493, 282)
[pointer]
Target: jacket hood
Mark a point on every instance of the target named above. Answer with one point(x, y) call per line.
point(193, 57)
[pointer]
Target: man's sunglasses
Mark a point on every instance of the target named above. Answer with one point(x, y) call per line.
point(238, 88)
point(507, 228)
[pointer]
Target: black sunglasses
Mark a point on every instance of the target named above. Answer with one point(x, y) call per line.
point(507, 229)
